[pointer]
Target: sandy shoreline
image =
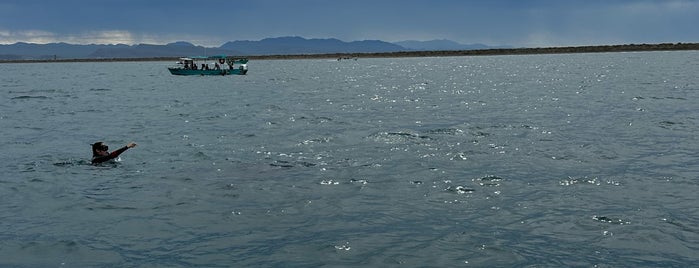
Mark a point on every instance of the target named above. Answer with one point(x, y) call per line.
point(444, 53)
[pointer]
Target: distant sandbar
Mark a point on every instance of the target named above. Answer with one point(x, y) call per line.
point(440, 53)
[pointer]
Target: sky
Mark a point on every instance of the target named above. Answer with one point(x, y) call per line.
point(517, 23)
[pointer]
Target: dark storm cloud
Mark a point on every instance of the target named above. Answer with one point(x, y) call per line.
point(517, 23)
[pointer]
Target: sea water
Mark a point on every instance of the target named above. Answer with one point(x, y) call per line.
point(562, 160)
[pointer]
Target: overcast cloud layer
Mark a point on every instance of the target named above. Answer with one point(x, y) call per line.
point(212, 23)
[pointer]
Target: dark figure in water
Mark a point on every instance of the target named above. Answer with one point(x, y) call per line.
point(101, 154)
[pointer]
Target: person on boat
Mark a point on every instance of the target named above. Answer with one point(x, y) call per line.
point(101, 154)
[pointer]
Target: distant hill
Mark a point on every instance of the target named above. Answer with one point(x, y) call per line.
point(181, 43)
point(49, 51)
point(440, 44)
point(176, 49)
point(291, 45)
point(26, 51)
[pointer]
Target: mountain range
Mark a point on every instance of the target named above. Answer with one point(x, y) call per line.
point(290, 45)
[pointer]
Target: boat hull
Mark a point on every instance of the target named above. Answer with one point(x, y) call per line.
point(182, 71)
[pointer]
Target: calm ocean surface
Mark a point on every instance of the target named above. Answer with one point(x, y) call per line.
point(495, 161)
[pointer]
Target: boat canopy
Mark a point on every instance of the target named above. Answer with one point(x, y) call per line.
point(217, 57)
point(205, 57)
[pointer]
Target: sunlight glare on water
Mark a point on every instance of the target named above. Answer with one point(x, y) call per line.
point(539, 160)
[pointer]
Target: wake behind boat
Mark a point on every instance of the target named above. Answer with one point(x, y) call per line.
point(212, 65)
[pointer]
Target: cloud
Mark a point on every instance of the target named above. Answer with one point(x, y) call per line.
point(87, 37)
point(102, 37)
point(676, 6)
point(501, 22)
point(30, 36)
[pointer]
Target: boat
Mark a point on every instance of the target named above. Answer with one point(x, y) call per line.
point(211, 65)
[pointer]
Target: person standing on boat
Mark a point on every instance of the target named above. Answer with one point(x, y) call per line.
point(101, 154)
